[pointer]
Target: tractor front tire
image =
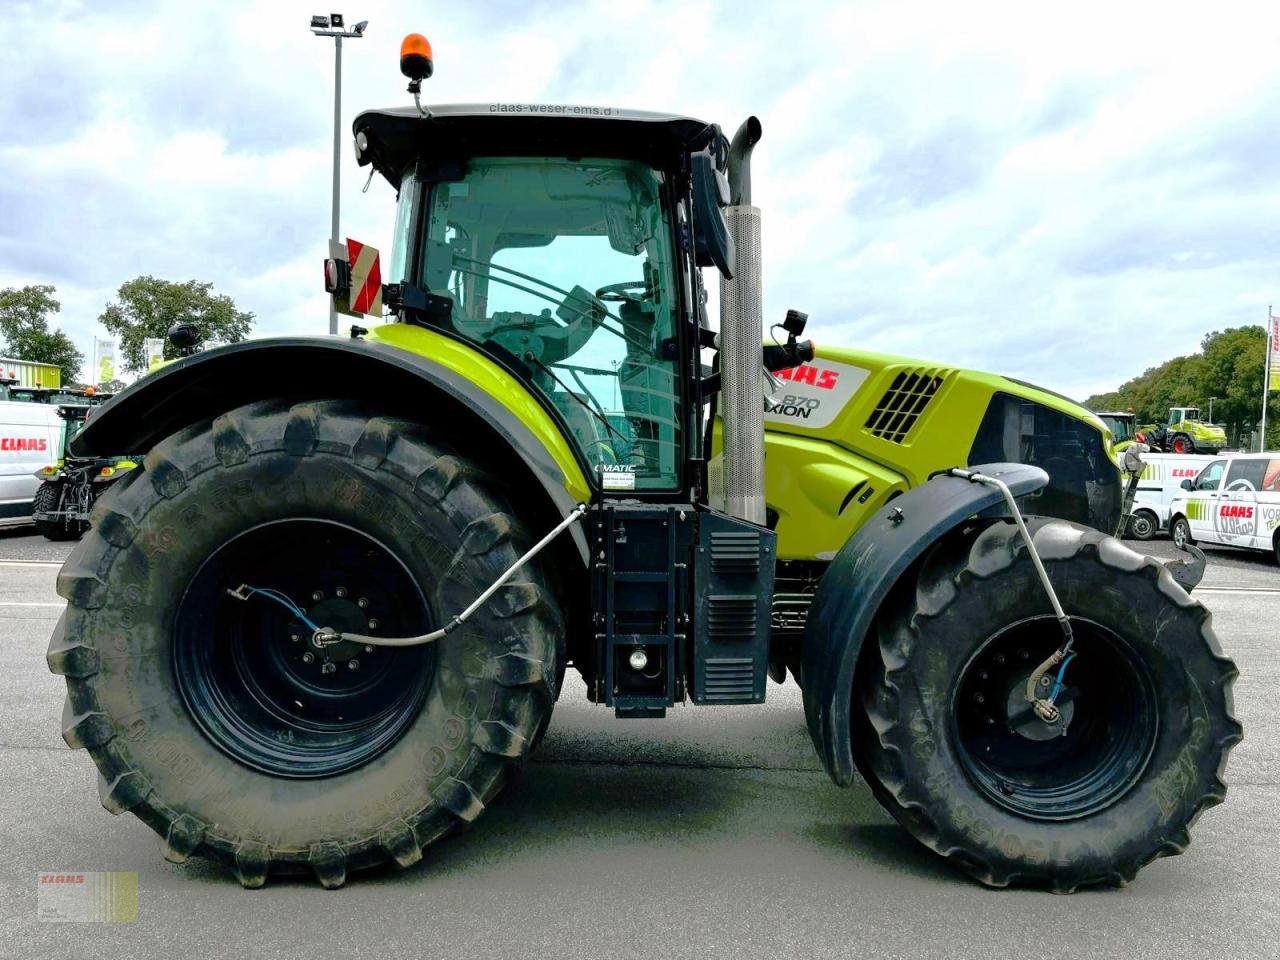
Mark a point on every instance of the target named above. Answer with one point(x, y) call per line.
point(957, 757)
point(45, 501)
point(215, 721)
point(1182, 444)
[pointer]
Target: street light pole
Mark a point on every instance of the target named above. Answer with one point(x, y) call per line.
point(334, 25)
point(1211, 399)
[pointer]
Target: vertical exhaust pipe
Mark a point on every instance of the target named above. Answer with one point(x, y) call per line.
point(742, 340)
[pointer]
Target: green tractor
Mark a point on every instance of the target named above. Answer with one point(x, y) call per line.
point(1123, 428)
point(329, 616)
point(69, 488)
point(1185, 432)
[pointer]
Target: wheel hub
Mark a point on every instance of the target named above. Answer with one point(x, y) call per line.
point(255, 682)
point(1089, 756)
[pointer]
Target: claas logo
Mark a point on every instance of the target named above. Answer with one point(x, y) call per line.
point(813, 376)
point(24, 444)
point(1185, 472)
point(1234, 510)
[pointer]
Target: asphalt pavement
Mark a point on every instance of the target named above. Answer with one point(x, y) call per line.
point(713, 833)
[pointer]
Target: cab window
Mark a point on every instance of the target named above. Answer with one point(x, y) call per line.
point(566, 267)
point(1211, 476)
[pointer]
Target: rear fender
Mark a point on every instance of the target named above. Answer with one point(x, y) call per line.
point(465, 393)
point(861, 576)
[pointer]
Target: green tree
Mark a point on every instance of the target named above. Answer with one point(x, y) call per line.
point(1228, 368)
point(147, 307)
point(25, 333)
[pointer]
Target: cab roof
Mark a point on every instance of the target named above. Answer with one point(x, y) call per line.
point(451, 132)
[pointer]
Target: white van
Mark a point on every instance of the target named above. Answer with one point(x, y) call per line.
point(1235, 502)
point(1158, 486)
point(30, 438)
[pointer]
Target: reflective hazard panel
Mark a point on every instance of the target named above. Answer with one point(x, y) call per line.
point(812, 394)
point(366, 278)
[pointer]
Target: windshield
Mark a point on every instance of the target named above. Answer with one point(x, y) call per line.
point(567, 266)
point(1121, 427)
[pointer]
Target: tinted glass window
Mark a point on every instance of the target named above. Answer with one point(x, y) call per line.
point(1247, 474)
point(567, 267)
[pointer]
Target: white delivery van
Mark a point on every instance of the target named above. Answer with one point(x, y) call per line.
point(30, 438)
point(1233, 501)
point(1159, 484)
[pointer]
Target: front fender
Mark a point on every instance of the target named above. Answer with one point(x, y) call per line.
point(465, 392)
point(861, 576)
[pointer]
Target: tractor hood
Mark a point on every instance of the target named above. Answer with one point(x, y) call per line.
point(395, 137)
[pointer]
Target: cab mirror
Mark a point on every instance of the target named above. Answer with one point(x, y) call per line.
point(1187, 485)
point(712, 242)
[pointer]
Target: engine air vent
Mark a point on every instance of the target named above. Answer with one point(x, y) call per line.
point(903, 403)
point(735, 552)
point(730, 680)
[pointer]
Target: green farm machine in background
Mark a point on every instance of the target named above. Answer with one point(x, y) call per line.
point(1184, 432)
point(331, 612)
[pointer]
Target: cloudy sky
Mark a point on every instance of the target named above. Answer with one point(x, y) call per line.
point(1063, 193)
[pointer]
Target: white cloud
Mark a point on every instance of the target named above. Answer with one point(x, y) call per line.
point(1067, 195)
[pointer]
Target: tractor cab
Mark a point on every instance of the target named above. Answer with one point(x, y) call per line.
point(1180, 415)
point(558, 241)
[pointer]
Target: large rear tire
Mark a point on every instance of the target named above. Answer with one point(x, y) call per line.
point(184, 696)
point(955, 756)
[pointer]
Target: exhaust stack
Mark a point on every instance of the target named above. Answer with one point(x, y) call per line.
point(742, 339)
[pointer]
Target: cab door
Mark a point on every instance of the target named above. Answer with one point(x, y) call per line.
point(1202, 501)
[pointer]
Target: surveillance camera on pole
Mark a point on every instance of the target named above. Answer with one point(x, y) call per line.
point(334, 25)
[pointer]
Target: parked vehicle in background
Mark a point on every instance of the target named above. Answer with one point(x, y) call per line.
point(69, 488)
point(27, 373)
point(1123, 427)
point(1184, 433)
point(30, 436)
point(1159, 484)
point(1234, 502)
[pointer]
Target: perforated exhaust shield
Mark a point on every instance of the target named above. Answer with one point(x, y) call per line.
point(741, 363)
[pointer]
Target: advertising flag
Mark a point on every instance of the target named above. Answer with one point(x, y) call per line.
point(105, 359)
point(154, 349)
point(1273, 352)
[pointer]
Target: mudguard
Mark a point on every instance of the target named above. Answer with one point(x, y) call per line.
point(304, 368)
point(861, 576)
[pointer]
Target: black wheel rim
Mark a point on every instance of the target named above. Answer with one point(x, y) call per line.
point(1141, 527)
point(1108, 703)
point(253, 681)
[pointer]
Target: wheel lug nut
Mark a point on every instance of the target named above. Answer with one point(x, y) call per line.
point(308, 657)
point(294, 637)
point(317, 595)
point(373, 624)
point(368, 649)
point(362, 603)
point(979, 698)
point(341, 591)
point(999, 659)
point(328, 667)
point(353, 664)
point(983, 675)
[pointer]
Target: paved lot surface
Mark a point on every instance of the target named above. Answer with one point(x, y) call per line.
point(710, 834)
